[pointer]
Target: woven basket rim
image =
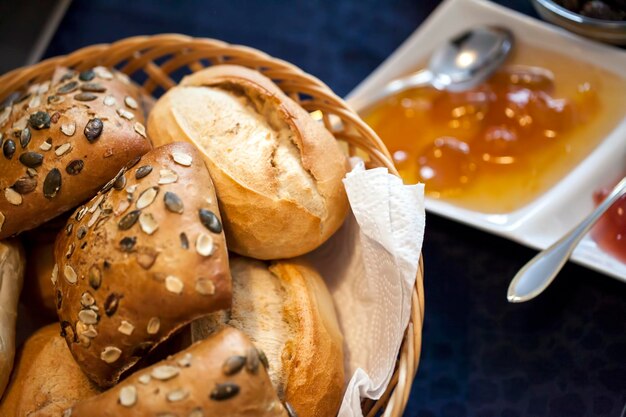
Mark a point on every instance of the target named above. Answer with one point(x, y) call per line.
point(135, 53)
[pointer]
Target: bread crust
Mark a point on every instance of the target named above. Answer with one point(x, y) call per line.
point(309, 346)
point(259, 221)
point(45, 145)
point(196, 375)
point(139, 261)
point(12, 264)
point(46, 380)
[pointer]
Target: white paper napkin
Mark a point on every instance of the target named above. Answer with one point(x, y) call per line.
point(370, 266)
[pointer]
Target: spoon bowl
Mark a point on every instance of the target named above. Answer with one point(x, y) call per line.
point(461, 63)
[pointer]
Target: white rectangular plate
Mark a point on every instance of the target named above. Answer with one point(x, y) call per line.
point(547, 218)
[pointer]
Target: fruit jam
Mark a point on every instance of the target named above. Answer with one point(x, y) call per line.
point(610, 231)
point(499, 146)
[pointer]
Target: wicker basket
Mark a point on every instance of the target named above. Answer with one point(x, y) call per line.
point(158, 62)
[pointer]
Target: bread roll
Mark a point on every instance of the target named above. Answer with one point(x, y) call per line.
point(141, 259)
point(62, 141)
point(288, 313)
point(11, 278)
point(223, 375)
point(46, 380)
point(277, 172)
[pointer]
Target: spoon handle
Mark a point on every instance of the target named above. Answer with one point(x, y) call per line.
point(537, 274)
point(420, 78)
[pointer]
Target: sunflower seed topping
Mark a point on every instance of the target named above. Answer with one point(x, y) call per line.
point(205, 286)
point(143, 171)
point(131, 102)
point(167, 176)
point(128, 396)
point(110, 101)
point(85, 97)
point(204, 244)
point(55, 274)
point(31, 159)
point(52, 183)
point(144, 379)
point(263, 359)
point(88, 316)
point(86, 75)
point(120, 182)
point(147, 197)
point(148, 224)
point(103, 73)
point(173, 202)
point(93, 129)
point(153, 325)
point(185, 361)
point(173, 284)
point(13, 196)
point(93, 88)
point(25, 185)
point(252, 360)
point(25, 137)
point(4, 115)
point(196, 412)
point(165, 372)
point(21, 123)
point(177, 395)
point(290, 411)
point(210, 220)
point(68, 129)
point(128, 243)
point(68, 87)
point(74, 167)
point(70, 274)
point(8, 149)
point(224, 391)
point(233, 365)
point(126, 328)
point(184, 241)
point(139, 128)
point(110, 354)
point(46, 146)
point(2, 218)
point(111, 304)
point(86, 299)
point(129, 220)
point(125, 114)
point(182, 158)
point(63, 149)
point(95, 277)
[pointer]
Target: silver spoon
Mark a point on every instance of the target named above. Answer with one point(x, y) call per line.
point(537, 274)
point(461, 63)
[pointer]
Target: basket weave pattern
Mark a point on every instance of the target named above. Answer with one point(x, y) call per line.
point(159, 62)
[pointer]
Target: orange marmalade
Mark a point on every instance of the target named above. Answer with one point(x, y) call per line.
point(497, 147)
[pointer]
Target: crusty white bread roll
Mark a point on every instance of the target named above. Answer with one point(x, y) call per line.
point(277, 172)
point(288, 313)
point(223, 375)
point(62, 141)
point(143, 258)
point(11, 279)
point(46, 380)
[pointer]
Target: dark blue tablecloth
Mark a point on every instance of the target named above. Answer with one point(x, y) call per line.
point(562, 355)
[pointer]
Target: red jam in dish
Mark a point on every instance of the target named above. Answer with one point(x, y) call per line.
point(499, 146)
point(610, 231)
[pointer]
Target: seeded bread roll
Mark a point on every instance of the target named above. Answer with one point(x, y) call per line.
point(46, 380)
point(11, 278)
point(223, 375)
point(62, 141)
point(288, 313)
point(277, 172)
point(140, 260)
